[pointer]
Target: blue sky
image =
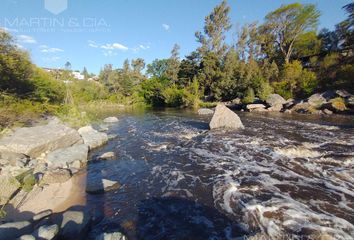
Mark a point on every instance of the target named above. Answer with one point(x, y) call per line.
point(92, 33)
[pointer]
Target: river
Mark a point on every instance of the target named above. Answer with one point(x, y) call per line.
point(284, 176)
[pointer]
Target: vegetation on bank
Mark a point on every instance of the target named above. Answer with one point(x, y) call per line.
point(286, 54)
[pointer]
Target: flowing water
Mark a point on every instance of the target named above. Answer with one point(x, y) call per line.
point(283, 177)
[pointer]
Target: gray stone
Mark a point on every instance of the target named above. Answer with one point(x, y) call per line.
point(111, 236)
point(288, 111)
point(330, 94)
point(74, 225)
point(252, 107)
point(205, 111)
point(27, 237)
point(301, 107)
point(42, 215)
point(34, 141)
point(275, 99)
point(111, 120)
point(276, 108)
point(13, 159)
point(225, 118)
point(64, 157)
point(8, 186)
point(328, 112)
point(15, 230)
point(350, 102)
point(101, 186)
point(92, 137)
point(107, 155)
point(316, 100)
point(56, 176)
point(48, 232)
point(343, 93)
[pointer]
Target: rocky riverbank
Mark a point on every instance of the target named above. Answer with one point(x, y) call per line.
point(40, 178)
point(326, 103)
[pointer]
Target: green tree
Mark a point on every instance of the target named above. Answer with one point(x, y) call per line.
point(213, 47)
point(158, 68)
point(189, 69)
point(85, 73)
point(138, 65)
point(173, 64)
point(286, 24)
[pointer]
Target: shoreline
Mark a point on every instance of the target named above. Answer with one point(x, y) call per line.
point(56, 197)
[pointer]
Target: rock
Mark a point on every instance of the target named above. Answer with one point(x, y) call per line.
point(63, 158)
point(275, 100)
point(107, 155)
point(56, 176)
point(92, 137)
point(236, 101)
point(330, 94)
point(289, 103)
point(111, 236)
point(27, 237)
point(343, 93)
point(328, 112)
point(350, 102)
point(336, 105)
point(111, 120)
point(205, 111)
point(225, 118)
point(15, 229)
point(251, 107)
point(76, 165)
point(42, 215)
point(74, 225)
point(48, 232)
point(260, 110)
point(96, 187)
point(288, 111)
point(34, 141)
point(275, 108)
point(13, 159)
point(316, 100)
point(301, 107)
point(8, 186)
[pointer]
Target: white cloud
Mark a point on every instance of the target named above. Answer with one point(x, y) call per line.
point(114, 46)
point(26, 39)
point(46, 49)
point(166, 26)
point(141, 47)
point(92, 44)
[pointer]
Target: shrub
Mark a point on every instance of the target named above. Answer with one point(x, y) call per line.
point(173, 97)
point(249, 97)
point(264, 90)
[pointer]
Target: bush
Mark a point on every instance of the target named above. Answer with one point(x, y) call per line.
point(46, 89)
point(173, 97)
point(152, 91)
point(264, 90)
point(86, 91)
point(249, 97)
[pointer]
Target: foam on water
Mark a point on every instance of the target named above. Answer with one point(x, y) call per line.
point(280, 178)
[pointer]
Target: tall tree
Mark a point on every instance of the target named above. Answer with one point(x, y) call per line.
point(67, 66)
point(85, 73)
point(286, 24)
point(213, 47)
point(138, 65)
point(157, 68)
point(173, 64)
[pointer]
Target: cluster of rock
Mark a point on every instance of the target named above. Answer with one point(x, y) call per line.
point(73, 224)
point(329, 102)
point(35, 157)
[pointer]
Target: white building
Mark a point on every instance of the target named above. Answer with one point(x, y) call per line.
point(78, 76)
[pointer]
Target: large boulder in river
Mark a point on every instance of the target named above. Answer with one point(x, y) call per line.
point(92, 137)
point(8, 186)
point(225, 118)
point(34, 141)
point(63, 158)
point(275, 100)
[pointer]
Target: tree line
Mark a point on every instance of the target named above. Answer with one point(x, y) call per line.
point(285, 54)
